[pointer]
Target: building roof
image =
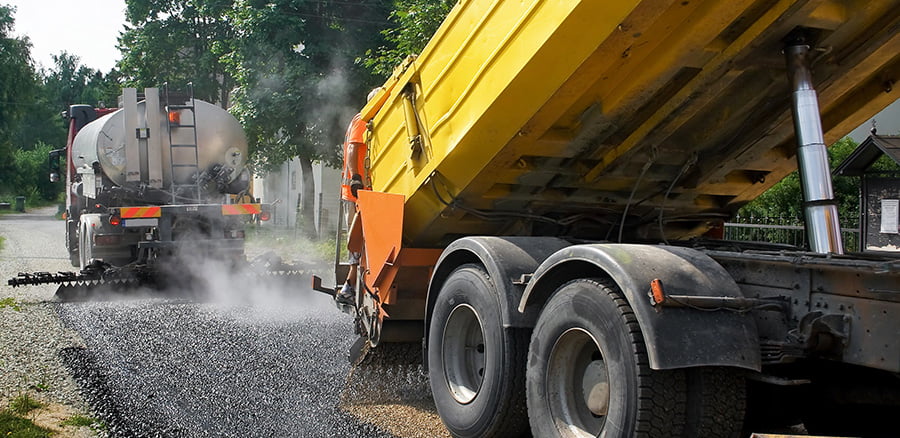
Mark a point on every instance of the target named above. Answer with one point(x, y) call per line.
point(868, 152)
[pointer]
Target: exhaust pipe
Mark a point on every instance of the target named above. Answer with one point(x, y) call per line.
point(820, 208)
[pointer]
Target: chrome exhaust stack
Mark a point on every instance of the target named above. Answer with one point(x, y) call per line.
point(822, 225)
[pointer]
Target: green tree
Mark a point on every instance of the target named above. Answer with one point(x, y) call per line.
point(66, 83)
point(69, 82)
point(16, 92)
point(178, 41)
point(32, 173)
point(415, 21)
point(785, 198)
point(298, 82)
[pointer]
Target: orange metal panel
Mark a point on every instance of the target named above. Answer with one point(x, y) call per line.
point(382, 224)
point(234, 209)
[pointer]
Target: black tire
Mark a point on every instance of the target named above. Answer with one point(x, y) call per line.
point(588, 330)
point(716, 402)
point(476, 367)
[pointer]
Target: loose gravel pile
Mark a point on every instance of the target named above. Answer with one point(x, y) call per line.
point(389, 384)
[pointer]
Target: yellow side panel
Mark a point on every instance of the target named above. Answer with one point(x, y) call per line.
point(470, 81)
point(580, 118)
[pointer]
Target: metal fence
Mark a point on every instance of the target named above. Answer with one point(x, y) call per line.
point(787, 230)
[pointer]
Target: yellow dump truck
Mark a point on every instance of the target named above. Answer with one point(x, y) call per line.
point(550, 181)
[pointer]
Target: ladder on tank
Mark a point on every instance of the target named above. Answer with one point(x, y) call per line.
point(184, 157)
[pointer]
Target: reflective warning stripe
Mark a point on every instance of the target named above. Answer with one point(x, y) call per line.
point(231, 209)
point(136, 212)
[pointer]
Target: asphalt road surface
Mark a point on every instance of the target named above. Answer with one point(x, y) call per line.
point(254, 360)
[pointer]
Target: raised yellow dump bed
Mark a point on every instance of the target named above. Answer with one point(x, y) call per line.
point(557, 116)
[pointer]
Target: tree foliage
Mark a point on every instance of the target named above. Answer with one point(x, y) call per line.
point(66, 83)
point(785, 198)
point(177, 42)
point(17, 88)
point(32, 173)
point(298, 85)
point(415, 21)
point(69, 82)
point(31, 104)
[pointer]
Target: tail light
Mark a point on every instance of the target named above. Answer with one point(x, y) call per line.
point(115, 220)
point(174, 118)
point(264, 216)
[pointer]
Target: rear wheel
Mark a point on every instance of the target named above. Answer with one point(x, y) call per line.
point(476, 367)
point(588, 372)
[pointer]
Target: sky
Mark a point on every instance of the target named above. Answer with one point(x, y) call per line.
point(84, 28)
point(887, 122)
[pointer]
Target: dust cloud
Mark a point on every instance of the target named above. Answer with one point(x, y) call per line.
point(265, 287)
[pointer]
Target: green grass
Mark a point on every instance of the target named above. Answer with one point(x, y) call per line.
point(24, 404)
point(80, 421)
point(11, 303)
point(291, 245)
point(14, 426)
point(1, 242)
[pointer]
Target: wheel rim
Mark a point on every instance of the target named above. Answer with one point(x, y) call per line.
point(578, 384)
point(463, 353)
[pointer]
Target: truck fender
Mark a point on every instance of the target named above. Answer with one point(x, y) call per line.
point(675, 337)
point(505, 259)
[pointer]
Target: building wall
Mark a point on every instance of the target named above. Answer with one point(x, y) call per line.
point(328, 198)
point(877, 237)
point(284, 188)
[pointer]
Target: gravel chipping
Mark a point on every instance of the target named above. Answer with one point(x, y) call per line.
point(31, 334)
point(208, 370)
point(253, 360)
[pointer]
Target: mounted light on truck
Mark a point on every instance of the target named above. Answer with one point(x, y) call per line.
point(657, 294)
point(264, 216)
point(115, 220)
point(174, 118)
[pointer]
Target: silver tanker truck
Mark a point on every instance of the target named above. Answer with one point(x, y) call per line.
point(153, 179)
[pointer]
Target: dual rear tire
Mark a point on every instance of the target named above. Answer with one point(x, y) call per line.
point(585, 372)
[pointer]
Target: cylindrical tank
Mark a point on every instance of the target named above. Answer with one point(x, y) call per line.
point(220, 140)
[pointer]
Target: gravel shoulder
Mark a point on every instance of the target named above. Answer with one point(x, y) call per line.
point(31, 334)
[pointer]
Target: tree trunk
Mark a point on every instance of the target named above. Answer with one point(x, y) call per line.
point(306, 215)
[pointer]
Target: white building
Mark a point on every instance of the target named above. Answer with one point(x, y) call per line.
point(284, 188)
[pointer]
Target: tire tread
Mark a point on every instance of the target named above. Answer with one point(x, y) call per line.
point(662, 394)
point(716, 402)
